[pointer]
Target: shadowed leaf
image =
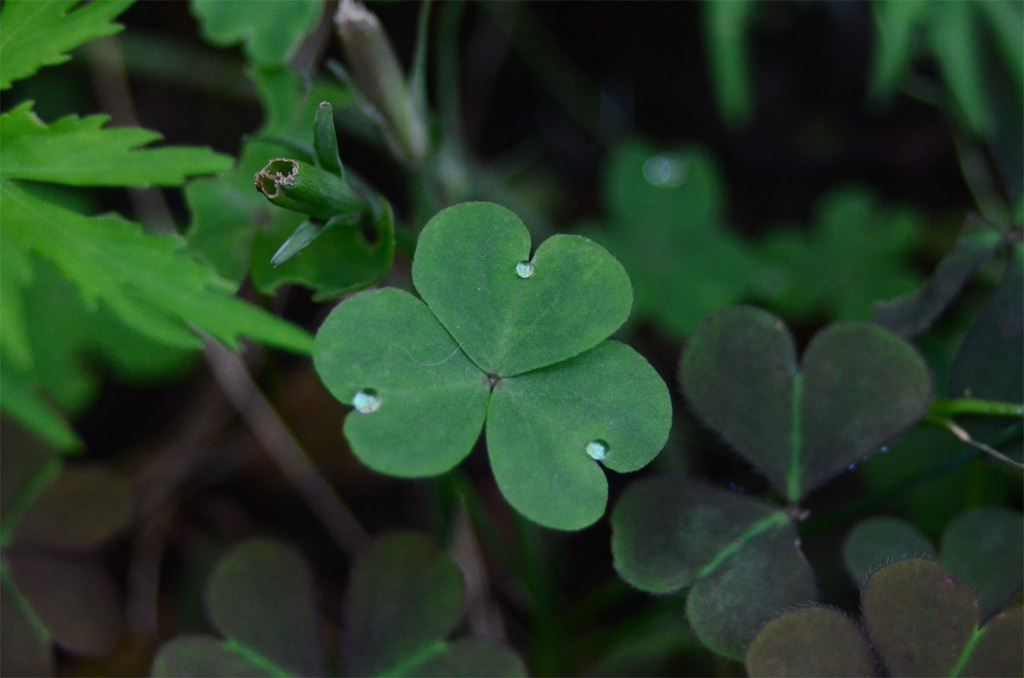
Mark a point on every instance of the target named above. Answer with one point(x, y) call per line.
point(207, 656)
point(27, 647)
point(80, 509)
point(76, 600)
point(857, 387)
point(472, 657)
point(919, 617)
point(405, 596)
point(812, 641)
point(261, 596)
point(985, 548)
point(999, 652)
point(878, 541)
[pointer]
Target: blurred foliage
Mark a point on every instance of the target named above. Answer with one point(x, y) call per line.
point(791, 164)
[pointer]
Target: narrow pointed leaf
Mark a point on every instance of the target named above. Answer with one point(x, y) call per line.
point(305, 234)
point(325, 140)
point(910, 315)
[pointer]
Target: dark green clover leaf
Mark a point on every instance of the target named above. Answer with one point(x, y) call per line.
point(262, 599)
point(877, 541)
point(405, 598)
point(666, 225)
point(910, 315)
point(998, 331)
point(670, 533)
point(856, 388)
point(812, 641)
point(920, 620)
point(508, 338)
point(855, 254)
point(985, 548)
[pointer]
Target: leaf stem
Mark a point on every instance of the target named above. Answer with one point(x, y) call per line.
point(944, 409)
point(261, 417)
point(965, 437)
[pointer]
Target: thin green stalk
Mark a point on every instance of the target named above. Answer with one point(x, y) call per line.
point(944, 409)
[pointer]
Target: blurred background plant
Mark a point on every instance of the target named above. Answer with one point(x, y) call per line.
point(812, 158)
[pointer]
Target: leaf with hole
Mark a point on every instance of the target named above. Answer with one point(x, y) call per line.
point(856, 388)
point(508, 338)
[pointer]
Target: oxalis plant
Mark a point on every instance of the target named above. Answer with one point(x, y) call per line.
point(823, 417)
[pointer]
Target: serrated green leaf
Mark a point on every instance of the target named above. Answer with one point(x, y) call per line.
point(543, 427)
point(262, 598)
point(432, 399)
point(857, 387)
point(38, 34)
point(570, 295)
point(405, 596)
point(985, 548)
point(855, 254)
point(269, 30)
point(812, 641)
point(665, 224)
point(141, 277)
point(919, 617)
point(878, 541)
point(78, 152)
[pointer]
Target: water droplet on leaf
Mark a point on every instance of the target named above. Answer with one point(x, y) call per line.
point(524, 269)
point(597, 449)
point(366, 401)
point(665, 171)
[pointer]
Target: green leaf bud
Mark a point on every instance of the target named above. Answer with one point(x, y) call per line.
point(306, 188)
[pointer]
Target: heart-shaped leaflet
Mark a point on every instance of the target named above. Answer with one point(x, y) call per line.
point(857, 387)
point(509, 312)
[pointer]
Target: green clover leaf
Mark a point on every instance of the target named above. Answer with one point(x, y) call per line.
point(504, 338)
point(856, 388)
